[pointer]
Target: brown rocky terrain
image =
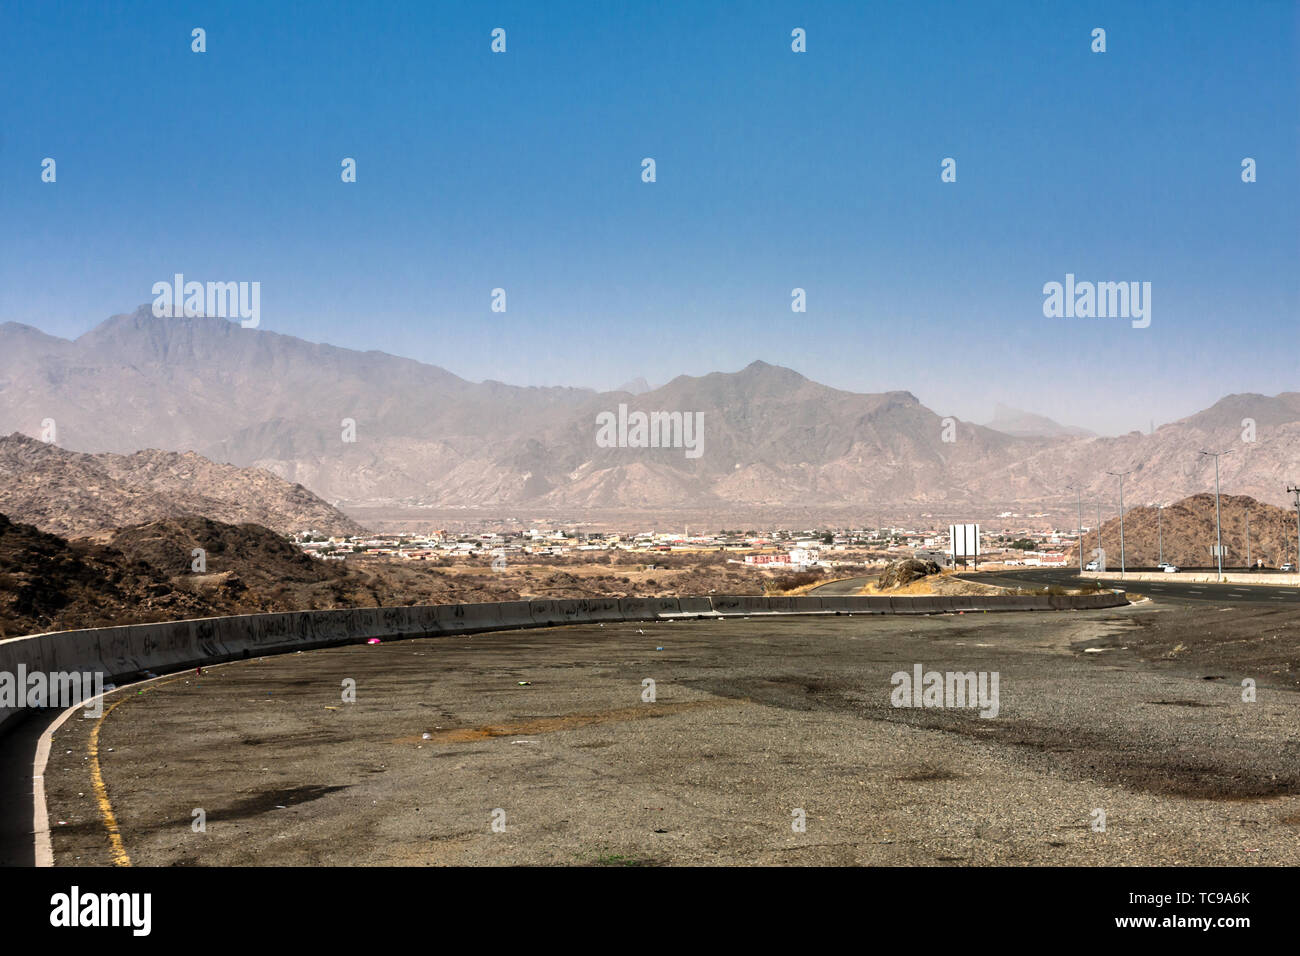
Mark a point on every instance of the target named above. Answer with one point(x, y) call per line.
point(145, 573)
point(899, 573)
point(72, 494)
point(1188, 531)
point(48, 583)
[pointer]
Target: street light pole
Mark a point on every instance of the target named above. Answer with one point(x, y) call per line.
point(1295, 490)
point(1218, 523)
point(1120, 475)
point(1080, 493)
point(1247, 537)
point(1160, 532)
point(1100, 552)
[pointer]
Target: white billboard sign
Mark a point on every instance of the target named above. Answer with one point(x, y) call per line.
point(965, 540)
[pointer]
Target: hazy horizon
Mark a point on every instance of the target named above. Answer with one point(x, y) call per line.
point(776, 170)
point(986, 420)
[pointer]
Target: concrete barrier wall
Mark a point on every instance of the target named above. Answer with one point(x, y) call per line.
point(647, 609)
point(467, 618)
point(585, 611)
point(913, 605)
point(695, 605)
point(837, 604)
point(129, 651)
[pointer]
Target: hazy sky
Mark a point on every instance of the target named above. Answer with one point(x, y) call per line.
point(775, 170)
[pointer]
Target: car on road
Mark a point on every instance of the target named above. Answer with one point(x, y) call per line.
point(1287, 568)
point(1090, 566)
point(1169, 568)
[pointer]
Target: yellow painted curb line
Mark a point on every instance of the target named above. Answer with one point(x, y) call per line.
point(120, 857)
point(101, 792)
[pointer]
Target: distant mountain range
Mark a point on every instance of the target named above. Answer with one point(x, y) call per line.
point(71, 493)
point(637, 386)
point(423, 436)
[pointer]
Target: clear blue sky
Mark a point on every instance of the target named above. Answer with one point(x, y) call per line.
point(775, 170)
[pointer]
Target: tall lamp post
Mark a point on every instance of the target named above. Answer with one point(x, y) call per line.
point(1160, 532)
point(1295, 490)
point(1218, 524)
point(1080, 493)
point(1100, 552)
point(1120, 475)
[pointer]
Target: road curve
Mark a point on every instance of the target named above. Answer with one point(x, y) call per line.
point(1173, 592)
point(847, 586)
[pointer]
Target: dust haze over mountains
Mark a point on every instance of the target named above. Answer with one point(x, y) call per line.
point(1013, 421)
point(773, 438)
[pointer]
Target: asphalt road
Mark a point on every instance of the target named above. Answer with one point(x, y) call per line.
point(1174, 592)
point(1132, 717)
point(847, 586)
point(1170, 592)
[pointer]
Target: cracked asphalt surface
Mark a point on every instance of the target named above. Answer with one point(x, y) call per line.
point(1134, 713)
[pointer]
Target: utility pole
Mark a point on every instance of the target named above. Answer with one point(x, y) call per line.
point(1295, 490)
point(1120, 475)
point(1218, 524)
point(1099, 551)
point(1160, 532)
point(1248, 565)
point(1080, 491)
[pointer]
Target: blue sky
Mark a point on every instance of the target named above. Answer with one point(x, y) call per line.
point(775, 170)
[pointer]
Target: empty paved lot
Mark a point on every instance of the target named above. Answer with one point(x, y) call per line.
point(753, 720)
